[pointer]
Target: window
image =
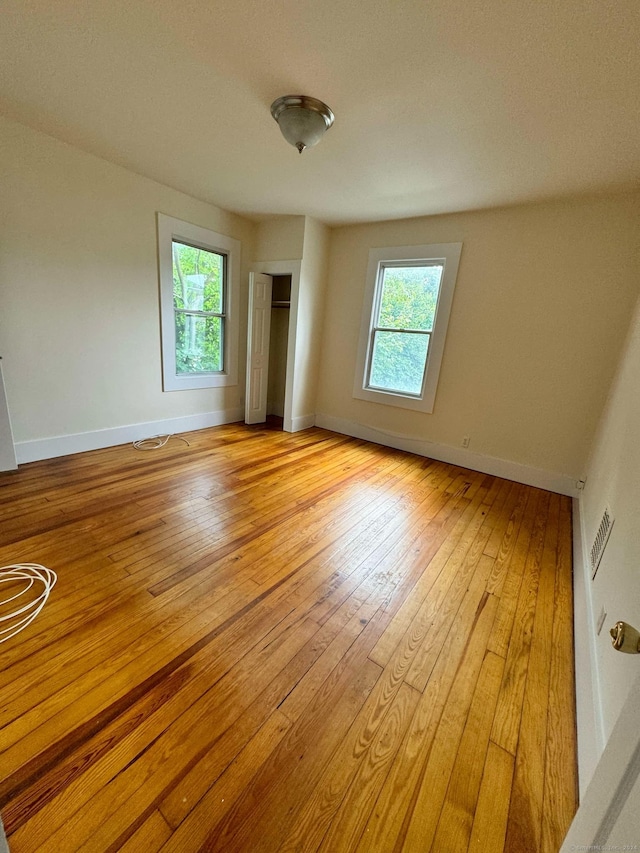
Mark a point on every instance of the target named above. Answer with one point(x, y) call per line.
point(406, 311)
point(199, 294)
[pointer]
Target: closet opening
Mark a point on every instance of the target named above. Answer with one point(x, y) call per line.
point(278, 345)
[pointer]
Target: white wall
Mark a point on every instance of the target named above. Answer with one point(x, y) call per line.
point(280, 239)
point(79, 323)
point(613, 478)
point(543, 297)
point(311, 305)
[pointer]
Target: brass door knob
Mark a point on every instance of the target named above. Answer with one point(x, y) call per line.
point(625, 638)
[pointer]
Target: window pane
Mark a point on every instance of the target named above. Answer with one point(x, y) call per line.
point(198, 279)
point(199, 344)
point(398, 361)
point(409, 297)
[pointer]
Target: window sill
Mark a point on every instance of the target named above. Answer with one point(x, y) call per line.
point(389, 398)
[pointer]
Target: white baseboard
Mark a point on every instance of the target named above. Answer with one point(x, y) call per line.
point(303, 422)
point(549, 480)
point(590, 723)
point(63, 445)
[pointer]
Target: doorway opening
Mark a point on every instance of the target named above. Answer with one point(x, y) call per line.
point(278, 348)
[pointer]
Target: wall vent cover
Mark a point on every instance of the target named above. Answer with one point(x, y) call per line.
point(600, 542)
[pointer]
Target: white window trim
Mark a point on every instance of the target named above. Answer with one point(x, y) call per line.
point(170, 229)
point(449, 255)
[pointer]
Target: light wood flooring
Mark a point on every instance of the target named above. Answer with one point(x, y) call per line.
point(273, 642)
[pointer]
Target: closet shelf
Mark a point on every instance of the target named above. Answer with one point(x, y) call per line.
point(281, 303)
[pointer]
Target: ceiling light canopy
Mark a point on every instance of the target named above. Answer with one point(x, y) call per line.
point(302, 120)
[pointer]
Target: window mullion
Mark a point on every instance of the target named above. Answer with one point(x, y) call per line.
point(403, 331)
point(196, 313)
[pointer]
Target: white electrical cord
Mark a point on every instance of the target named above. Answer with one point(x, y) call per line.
point(157, 441)
point(21, 616)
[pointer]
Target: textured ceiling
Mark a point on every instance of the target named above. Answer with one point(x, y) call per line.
point(440, 106)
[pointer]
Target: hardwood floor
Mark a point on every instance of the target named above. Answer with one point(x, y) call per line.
point(274, 642)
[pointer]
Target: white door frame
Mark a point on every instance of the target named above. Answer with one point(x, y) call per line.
point(591, 734)
point(612, 783)
point(293, 269)
point(7, 448)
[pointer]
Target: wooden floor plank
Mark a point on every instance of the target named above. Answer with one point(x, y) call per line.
point(202, 821)
point(259, 818)
point(269, 641)
point(428, 797)
point(503, 507)
point(525, 815)
point(150, 837)
point(348, 823)
point(187, 793)
point(492, 809)
point(456, 819)
point(442, 610)
point(395, 805)
point(118, 788)
point(456, 543)
point(506, 726)
point(560, 775)
point(513, 567)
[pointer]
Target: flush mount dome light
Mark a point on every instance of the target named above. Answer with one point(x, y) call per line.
point(303, 120)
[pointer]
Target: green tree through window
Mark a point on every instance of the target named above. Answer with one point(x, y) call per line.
point(403, 324)
point(199, 307)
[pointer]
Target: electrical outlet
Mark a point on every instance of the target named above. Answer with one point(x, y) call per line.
point(465, 441)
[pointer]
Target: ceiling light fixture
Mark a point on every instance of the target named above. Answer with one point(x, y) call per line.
point(302, 120)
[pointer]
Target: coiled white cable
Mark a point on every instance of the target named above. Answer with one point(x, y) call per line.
point(157, 441)
point(23, 614)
